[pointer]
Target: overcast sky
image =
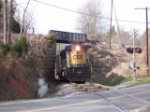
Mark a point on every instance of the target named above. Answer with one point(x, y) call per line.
point(50, 18)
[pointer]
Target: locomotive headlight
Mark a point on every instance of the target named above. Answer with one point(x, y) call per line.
point(78, 48)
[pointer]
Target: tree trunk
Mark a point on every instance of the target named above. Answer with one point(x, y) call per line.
point(5, 22)
point(10, 22)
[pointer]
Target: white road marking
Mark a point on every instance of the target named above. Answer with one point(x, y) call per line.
point(140, 109)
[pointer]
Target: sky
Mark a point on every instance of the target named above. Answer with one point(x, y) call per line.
point(50, 18)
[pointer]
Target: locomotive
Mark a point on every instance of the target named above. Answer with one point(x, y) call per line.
point(72, 62)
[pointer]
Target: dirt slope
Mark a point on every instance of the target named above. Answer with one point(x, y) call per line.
point(19, 76)
point(117, 60)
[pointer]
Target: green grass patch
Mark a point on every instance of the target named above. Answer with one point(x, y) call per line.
point(126, 79)
point(120, 80)
point(117, 81)
point(106, 83)
point(142, 81)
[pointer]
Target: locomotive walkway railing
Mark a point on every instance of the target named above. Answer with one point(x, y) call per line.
point(64, 63)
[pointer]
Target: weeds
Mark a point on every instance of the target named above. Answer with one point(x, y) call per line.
point(30, 74)
point(36, 95)
point(51, 40)
point(5, 49)
point(20, 47)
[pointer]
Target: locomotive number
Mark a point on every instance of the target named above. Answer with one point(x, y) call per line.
point(77, 56)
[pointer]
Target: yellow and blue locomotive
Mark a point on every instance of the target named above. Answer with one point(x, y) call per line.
point(72, 62)
point(75, 64)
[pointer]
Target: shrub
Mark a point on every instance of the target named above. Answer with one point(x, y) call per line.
point(20, 46)
point(5, 49)
point(51, 40)
point(15, 26)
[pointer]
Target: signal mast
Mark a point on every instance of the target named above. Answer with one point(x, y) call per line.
point(133, 50)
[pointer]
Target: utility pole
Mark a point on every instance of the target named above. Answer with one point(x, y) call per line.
point(147, 59)
point(122, 44)
point(111, 13)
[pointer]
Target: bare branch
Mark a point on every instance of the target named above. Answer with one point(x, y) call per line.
point(91, 24)
point(24, 18)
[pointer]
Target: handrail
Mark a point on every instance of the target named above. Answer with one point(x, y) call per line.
point(84, 58)
point(90, 65)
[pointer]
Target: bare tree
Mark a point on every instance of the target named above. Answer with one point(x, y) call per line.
point(91, 21)
point(23, 19)
point(28, 22)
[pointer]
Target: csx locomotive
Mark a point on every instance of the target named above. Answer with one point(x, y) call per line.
point(72, 62)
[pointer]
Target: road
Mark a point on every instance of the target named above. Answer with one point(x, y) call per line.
point(88, 102)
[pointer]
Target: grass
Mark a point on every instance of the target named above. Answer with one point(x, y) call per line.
point(107, 83)
point(142, 81)
point(126, 79)
point(119, 80)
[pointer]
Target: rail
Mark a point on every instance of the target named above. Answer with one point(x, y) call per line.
point(86, 87)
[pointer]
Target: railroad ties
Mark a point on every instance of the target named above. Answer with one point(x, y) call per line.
point(119, 99)
point(90, 87)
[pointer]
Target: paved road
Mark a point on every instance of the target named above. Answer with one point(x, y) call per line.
point(88, 102)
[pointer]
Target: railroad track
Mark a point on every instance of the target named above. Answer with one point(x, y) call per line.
point(96, 88)
point(90, 87)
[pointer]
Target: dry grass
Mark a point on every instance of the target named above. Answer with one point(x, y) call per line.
point(121, 66)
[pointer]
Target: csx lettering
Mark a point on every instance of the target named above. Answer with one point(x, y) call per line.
point(77, 56)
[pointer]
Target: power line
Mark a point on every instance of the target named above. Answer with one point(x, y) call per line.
point(87, 14)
